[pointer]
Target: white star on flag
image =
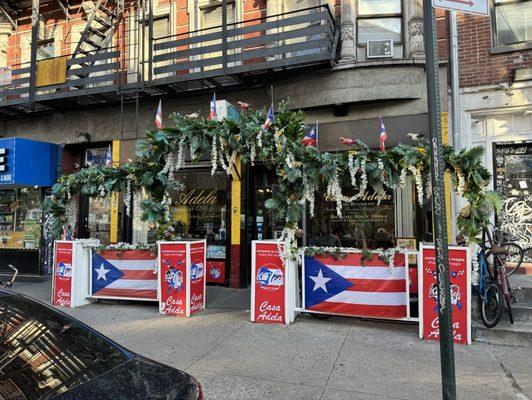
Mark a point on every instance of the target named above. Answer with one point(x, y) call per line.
point(102, 272)
point(320, 281)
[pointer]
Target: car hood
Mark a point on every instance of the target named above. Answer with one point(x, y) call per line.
point(138, 378)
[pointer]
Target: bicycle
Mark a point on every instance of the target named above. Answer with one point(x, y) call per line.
point(494, 285)
point(9, 283)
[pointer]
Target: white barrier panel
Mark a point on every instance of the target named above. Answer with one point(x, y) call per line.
point(70, 275)
point(273, 284)
point(182, 277)
point(353, 286)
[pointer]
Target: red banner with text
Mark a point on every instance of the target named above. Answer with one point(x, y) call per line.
point(173, 278)
point(460, 295)
point(62, 295)
point(269, 284)
point(197, 277)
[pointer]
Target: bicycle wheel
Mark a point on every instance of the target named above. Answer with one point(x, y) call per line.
point(513, 259)
point(491, 305)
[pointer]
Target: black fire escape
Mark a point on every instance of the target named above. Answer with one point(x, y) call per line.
point(111, 64)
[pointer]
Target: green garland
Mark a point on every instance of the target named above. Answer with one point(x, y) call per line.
point(301, 170)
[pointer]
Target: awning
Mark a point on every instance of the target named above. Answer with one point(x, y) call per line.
point(25, 162)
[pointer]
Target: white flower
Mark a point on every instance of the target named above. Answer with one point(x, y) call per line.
point(180, 153)
point(214, 154)
point(419, 183)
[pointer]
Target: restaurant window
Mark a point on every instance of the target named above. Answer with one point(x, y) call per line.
point(161, 29)
point(512, 20)
point(20, 218)
point(365, 223)
point(379, 20)
point(198, 211)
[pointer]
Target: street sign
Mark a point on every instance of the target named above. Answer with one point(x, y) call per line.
point(479, 7)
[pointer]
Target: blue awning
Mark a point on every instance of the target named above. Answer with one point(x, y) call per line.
point(25, 162)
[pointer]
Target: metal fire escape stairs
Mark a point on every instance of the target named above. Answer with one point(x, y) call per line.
point(103, 19)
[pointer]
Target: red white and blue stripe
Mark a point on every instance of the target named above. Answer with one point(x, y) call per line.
point(347, 287)
point(311, 137)
point(383, 135)
point(213, 112)
point(131, 274)
point(159, 116)
point(269, 119)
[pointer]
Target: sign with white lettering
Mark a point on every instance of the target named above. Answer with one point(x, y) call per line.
point(459, 268)
point(268, 283)
point(62, 274)
point(479, 7)
point(182, 277)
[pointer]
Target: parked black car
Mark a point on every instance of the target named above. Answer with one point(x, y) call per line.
point(46, 354)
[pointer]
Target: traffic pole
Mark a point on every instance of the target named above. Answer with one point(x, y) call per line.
point(437, 169)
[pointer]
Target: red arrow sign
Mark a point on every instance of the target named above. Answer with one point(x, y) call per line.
point(468, 2)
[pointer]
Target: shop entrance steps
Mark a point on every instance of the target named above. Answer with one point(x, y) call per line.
point(518, 334)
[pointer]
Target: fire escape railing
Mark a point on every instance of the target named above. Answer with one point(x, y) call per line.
point(95, 69)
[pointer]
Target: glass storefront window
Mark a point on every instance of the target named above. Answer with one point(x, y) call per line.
point(198, 210)
point(20, 218)
point(364, 223)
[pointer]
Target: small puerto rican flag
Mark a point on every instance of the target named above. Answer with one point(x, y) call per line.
point(269, 119)
point(383, 135)
point(311, 137)
point(213, 114)
point(159, 116)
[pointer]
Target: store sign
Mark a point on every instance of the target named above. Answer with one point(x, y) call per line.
point(197, 197)
point(216, 271)
point(268, 286)
point(173, 279)
point(459, 262)
point(197, 277)
point(62, 274)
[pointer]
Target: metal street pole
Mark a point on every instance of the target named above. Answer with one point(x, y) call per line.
point(437, 167)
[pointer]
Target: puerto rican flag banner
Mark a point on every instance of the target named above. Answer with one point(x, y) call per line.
point(213, 113)
point(130, 274)
point(159, 115)
point(383, 135)
point(311, 137)
point(346, 287)
point(269, 119)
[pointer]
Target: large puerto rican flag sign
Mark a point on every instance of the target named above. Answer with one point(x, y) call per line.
point(130, 274)
point(346, 287)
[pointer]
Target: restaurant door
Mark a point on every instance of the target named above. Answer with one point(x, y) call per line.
point(261, 224)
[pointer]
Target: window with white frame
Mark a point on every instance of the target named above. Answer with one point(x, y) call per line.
point(512, 22)
point(379, 20)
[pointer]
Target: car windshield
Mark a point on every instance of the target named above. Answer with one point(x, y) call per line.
point(44, 353)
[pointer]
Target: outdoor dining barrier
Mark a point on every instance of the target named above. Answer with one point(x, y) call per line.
point(123, 274)
point(357, 284)
point(273, 284)
point(181, 277)
point(70, 274)
point(460, 274)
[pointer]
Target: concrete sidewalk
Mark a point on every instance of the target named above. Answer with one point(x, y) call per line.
point(340, 358)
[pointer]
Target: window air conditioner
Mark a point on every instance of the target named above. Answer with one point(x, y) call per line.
point(380, 48)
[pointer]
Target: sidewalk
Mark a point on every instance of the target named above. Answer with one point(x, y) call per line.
point(339, 359)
